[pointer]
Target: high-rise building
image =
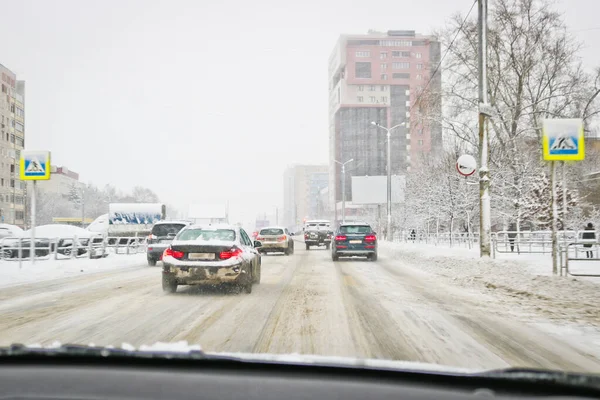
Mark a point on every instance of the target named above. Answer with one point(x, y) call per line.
point(379, 77)
point(12, 140)
point(302, 185)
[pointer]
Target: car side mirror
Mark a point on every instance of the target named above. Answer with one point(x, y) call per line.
point(257, 244)
point(374, 233)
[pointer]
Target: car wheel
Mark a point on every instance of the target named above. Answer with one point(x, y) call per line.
point(151, 262)
point(334, 257)
point(307, 247)
point(6, 254)
point(373, 257)
point(169, 285)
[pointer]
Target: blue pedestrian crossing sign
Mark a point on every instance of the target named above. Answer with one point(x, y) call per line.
point(35, 165)
point(563, 140)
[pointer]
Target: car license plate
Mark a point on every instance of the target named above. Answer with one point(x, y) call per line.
point(201, 256)
point(355, 241)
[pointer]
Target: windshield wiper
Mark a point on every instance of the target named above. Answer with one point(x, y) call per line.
point(71, 350)
point(534, 375)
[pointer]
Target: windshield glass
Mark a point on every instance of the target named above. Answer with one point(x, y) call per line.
point(408, 181)
point(355, 229)
point(164, 230)
point(207, 235)
point(271, 231)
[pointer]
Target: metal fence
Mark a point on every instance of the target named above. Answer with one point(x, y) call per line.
point(458, 239)
point(574, 251)
point(64, 248)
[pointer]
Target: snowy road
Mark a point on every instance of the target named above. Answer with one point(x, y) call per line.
point(305, 304)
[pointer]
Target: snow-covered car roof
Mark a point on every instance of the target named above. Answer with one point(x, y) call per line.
point(60, 231)
point(212, 226)
point(271, 227)
point(173, 221)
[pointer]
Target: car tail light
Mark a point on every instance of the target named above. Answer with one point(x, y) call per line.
point(370, 238)
point(173, 253)
point(282, 238)
point(260, 238)
point(226, 255)
point(340, 238)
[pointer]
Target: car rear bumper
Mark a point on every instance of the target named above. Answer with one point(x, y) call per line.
point(345, 252)
point(317, 241)
point(207, 275)
point(273, 246)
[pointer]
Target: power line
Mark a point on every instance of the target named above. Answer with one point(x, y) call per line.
point(444, 56)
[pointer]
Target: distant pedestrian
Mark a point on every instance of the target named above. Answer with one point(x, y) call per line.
point(512, 234)
point(413, 235)
point(589, 234)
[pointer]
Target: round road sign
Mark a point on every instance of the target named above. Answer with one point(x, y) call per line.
point(466, 165)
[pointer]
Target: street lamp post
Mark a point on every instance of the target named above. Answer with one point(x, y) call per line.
point(343, 164)
point(389, 174)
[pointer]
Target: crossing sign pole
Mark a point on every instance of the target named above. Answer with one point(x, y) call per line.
point(35, 166)
point(562, 140)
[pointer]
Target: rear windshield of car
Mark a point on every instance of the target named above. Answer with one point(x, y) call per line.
point(272, 231)
point(166, 229)
point(355, 229)
point(207, 234)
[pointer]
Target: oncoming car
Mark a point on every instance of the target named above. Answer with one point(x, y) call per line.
point(162, 234)
point(211, 255)
point(275, 239)
point(354, 239)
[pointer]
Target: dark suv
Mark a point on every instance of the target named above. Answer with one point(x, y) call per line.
point(354, 239)
point(163, 233)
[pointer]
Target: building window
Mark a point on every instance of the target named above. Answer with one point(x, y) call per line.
point(383, 55)
point(372, 88)
point(400, 76)
point(20, 112)
point(363, 70)
point(360, 99)
point(19, 215)
point(400, 65)
point(12, 168)
point(419, 76)
point(384, 99)
point(373, 99)
point(12, 183)
point(401, 54)
point(361, 88)
point(383, 67)
point(384, 77)
point(418, 55)
point(12, 138)
point(2, 182)
point(420, 142)
point(19, 127)
point(419, 66)
point(20, 142)
point(363, 54)
point(383, 87)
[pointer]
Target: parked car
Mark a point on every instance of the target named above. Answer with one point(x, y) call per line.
point(275, 239)
point(161, 236)
point(210, 255)
point(354, 239)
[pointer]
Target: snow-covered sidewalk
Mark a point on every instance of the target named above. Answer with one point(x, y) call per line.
point(44, 270)
point(523, 281)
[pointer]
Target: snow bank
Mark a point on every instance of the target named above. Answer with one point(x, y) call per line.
point(518, 282)
point(44, 270)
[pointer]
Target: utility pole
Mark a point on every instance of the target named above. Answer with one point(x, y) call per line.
point(485, 224)
point(343, 164)
point(554, 218)
point(82, 207)
point(389, 175)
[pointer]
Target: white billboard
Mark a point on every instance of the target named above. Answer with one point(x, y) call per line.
point(373, 189)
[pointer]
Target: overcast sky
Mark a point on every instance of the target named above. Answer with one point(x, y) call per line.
point(199, 100)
